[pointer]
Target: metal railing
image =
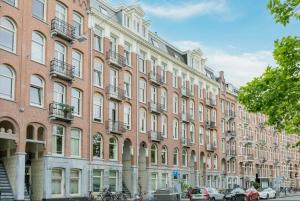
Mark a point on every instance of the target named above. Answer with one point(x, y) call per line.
point(115, 126)
point(61, 111)
point(115, 58)
point(155, 77)
point(211, 102)
point(61, 69)
point(185, 92)
point(210, 147)
point(155, 136)
point(187, 142)
point(155, 106)
point(62, 28)
point(115, 92)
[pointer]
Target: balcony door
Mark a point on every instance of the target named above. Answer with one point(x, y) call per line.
point(114, 47)
point(154, 95)
point(113, 80)
point(153, 123)
point(113, 111)
point(60, 12)
point(59, 93)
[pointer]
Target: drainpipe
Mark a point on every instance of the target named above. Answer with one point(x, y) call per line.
point(137, 119)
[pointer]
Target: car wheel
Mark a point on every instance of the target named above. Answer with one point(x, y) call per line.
point(212, 199)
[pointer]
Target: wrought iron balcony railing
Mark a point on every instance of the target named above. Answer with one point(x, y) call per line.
point(155, 78)
point(116, 59)
point(61, 70)
point(210, 147)
point(155, 136)
point(230, 134)
point(185, 92)
point(60, 111)
point(62, 29)
point(186, 142)
point(211, 102)
point(116, 127)
point(155, 107)
point(115, 92)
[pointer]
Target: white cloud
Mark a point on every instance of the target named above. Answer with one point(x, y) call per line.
point(186, 9)
point(239, 68)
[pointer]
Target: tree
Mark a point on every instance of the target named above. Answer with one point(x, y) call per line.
point(276, 93)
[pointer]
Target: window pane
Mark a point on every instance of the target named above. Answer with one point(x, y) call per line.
point(6, 39)
point(5, 87)
point(38, 9)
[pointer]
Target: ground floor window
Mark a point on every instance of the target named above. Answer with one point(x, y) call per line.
point(153, 181)
point(57, 181)
point(185, 178)
point(74, 182)
point(97, 180)
point(113, 180)
point(164, 181)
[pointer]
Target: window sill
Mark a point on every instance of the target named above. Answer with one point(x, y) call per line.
point(37, 106)
point(98, 122)
point(8, 51)
point(41, 20)
point(14, 6)
point(39, 63)
point(99, 51)
point(8, 99)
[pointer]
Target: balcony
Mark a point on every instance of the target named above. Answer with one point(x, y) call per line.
point(261, 125)
point(211, 102)
point(185, 92)
point(275, 161)
point(115, 127)
point(61, 112)
point(230, 115)
point(187, 142)
point(230, 154)
point(210, 125)
point(230, 134)
point(191, 117)
point(210, 147)
point(155, 78)
point(61, 70)
point(262, 160)
point(115, 59)
point(155, 136)
point(155, 107)
point(184, 117)
point(262, 142)
point(115, 93)
point(62, 29)
point(249, 158)
point(288, 159)
point(275, 144)
point(248, 139)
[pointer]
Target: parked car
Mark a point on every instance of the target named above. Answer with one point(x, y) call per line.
point(267, 193)
point(236, 194)
point(206, 194)
point(252, 194)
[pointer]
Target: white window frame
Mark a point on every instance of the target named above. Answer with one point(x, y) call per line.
point(14, 32)
point(41, 88)
point(62, 183)
point(79, 144)
point(79, 100)
point(75, 178)
point(58, 135)
point(42, 45)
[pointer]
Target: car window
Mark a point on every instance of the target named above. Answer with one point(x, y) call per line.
point(239, 190)
point(198, 191)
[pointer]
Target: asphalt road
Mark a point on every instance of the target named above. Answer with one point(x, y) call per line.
point(294, 198)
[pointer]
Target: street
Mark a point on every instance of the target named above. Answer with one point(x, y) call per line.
point(295, 198)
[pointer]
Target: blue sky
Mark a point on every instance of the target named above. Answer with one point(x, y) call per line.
point(236, 36)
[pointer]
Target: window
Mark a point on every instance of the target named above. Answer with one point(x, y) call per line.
point(200, 90)
point(98, 107)
point(127, 54)
point(192, 85)
point(38, 47)
point(77, 63)
point(60, 55)
point(208, 161)
point(97, 180)
point(7, 34)
point(98, 73)
point(142, 91)
point(98, 146)
point(175, 157)
point(58, 140)
point(192, 109)
point(142, 62)
point(164, 99)
point(38, 9)
point(175, 104)
point(11, 2)
point(164, 181)
point(184, 157)
point(175, 129)
point(164, 126)
point(36, 91)
point(98, 39)
point(75, 142)
point(201, 135)
point(59, 93)
point(61, 12)
point(142, 120)
point(127, 116)
point(113, 149)
point(75, 181)
point(114, 46)
point(164, 69)
point(164, 155)
point(76, 101)
point(208, 136)
point(192, 133)
point(57, 181)
point(223, 146)
point(215, 162)
point(77, 24)
point(127, 84)
point(215, 138)
point(175, 81)
point(153, 181)
point(113, 180)
point(154, 154)
point(7, 82)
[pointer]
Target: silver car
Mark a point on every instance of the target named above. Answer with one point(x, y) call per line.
point(206, 194)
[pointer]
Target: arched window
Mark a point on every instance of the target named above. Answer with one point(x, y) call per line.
point(113, 149)
point(7, 34)
point(98, 146)
point(36, 91)
point(76, 101)
point(215, 161)
point(184, 157)
point(192, 133)
point(164, 99)
point(127, 84)
point(38, 47)
point(127, 116)
point(154, 154)
point(175, 157)
point(98, 107)
point(142, 120)
point(59, 93)
point(30, 132)
point(164, 126)
point(142, 90)
point(208, 161)
point(77, 23)
point(175, 128)
point(201, 132)
point(175, 103)
point(192, 110)
point(200, 112)
point(164, 155)
point(7, 82)
point(41, 134)
point(98, 73)
point(60, 55)
point(77, 63)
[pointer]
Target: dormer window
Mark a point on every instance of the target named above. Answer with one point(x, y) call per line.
point(154, 43)
point(103, 10)
point(127, 21)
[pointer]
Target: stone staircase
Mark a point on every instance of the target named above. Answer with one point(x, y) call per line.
point(126, 190)
point(5, 188)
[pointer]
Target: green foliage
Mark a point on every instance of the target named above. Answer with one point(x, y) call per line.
point(284, 10)
point(276, 93)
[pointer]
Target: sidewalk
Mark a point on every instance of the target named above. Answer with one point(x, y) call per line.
point(282, 195)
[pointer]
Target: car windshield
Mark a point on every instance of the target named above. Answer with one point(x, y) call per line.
point(267, 189)
point(251, 189)
point(212, 190)
point(237, 190)
point(198, 191)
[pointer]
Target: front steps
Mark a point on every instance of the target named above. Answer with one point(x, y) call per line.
point(5, 188)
